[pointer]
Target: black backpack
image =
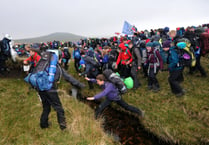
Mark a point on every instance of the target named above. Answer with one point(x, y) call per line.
point(67, 54)
point(113, 55)
point(43, 62)
point(116, 80)
point(92, 61)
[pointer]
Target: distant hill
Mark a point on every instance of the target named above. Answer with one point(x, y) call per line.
point(51, 37)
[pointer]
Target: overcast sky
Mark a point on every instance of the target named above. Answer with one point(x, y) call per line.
point(31, 18)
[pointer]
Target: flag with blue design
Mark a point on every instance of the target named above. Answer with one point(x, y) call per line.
point(128, 29)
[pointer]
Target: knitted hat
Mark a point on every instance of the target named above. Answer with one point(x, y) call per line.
point(167, 44)
point(149, 44)
point(82, 62)
point(166, 29)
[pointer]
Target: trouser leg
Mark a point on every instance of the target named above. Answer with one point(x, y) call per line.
point(46, 110)
point(54, 101)
point(129, 107)
point(102, 106)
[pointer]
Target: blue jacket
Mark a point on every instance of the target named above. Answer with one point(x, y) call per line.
point(173, 59)
point(76, 53)
point(110, 91)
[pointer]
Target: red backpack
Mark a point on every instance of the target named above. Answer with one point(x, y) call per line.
point(204, 43)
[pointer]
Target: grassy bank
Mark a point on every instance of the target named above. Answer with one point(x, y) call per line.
point(20, 110)
point(179, 120)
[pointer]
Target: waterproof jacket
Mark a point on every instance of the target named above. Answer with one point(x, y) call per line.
point(34, 59)
point(173, 60)
point(109, 90)
point(124, 55)
point(153, 58)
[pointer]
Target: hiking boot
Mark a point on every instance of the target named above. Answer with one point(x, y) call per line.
point(149, 87)
point(204, 75)
point(156, 89)
point(45, 126)
point(184, 91)
point(141, 114)
point(180, 94)
point(63, 126)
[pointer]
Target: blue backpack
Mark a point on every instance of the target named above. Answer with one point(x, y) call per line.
point(43, 75)
point(77, 54)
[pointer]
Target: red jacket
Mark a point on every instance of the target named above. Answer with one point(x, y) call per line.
point(35, 58)
point(124, 55)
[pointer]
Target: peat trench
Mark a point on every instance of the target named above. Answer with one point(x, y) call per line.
point(124, 127)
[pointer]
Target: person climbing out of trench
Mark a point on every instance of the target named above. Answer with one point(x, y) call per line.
point(112, 95)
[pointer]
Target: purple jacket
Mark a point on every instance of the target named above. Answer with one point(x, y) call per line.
point(110, 91)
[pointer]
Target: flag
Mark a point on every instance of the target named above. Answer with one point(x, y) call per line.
point(128, 29)
point(117, 33)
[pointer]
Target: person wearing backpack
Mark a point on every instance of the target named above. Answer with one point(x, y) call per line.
point(136, 64)
point(91, 68)
point(66, 57)
point(112, 95)
point(165, 52)
point(44, 78)
point(143, 52)
point(105, 57)
point(76, 57)
point(124, 59)
point(113, 55)
point(175, 72)
point(5, 48)
point(33, 59)
point(155, 63)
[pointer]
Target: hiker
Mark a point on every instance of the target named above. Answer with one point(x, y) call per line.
point(112, 95)
point(91, 68)
point(143, 52)
point(76, 57)
point(5, 49)
point(175, 72)
point(33, 59)
point(165, 52)
point(164, 34)
point(190, 34)
point(105, 57)
point(66, 56)
point(136, 64)
point(155, 63)
point(43, 78)
point(124, 59)
point(113, 55)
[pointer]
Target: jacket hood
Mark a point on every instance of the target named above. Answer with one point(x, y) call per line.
point(122, 46)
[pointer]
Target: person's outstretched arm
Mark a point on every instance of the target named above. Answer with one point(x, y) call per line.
point(72, 80)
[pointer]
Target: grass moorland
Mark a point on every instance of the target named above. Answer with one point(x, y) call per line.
point(178, 120)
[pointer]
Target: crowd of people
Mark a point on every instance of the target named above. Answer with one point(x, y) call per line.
point(154, 51)
point(122, 57)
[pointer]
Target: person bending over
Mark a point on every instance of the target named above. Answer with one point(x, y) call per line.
point(112, 95)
